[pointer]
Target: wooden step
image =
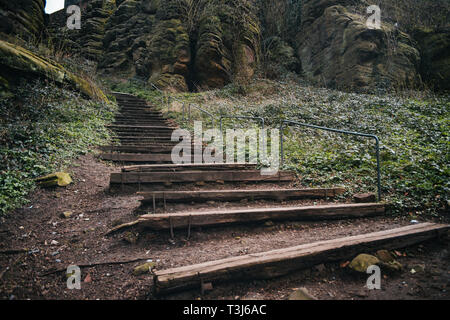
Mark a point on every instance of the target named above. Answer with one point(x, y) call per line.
point(226, 217)
point(155, 148)
point(194, 176)
point(237, 195)
point(271, 264)
point(137, 127)
point(142, 122)
point(145, 138)
point(190, 167)
point(136, 157)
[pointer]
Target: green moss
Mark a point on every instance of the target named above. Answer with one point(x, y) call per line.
point(19, 59)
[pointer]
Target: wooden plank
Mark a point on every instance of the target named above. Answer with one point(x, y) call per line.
point(194, 176)
point(142, 127)
point(267, 265)
point(222, 217)
point(139, 149)
point(136, 157)
point(189, 166)
point(237, 195)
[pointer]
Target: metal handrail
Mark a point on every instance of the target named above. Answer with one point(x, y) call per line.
point(377, 145)
point(200, 109)
point(242, 117)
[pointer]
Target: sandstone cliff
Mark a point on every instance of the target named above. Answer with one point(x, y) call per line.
point(185, 45)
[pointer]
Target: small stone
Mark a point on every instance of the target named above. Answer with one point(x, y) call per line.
point(385, 256)
point(364, 198)
point(363, 261)
point(131, 237)
point(54, 243)
point(66, 214)
point(392, 265)
point(144, 269)
point(320, 268)
point(419, 267)
point(200, 183)
point(269, 223)
point(301, 294)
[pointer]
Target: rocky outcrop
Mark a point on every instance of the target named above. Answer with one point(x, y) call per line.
point(228, 44)
point(17, 63)
point(87, 42)
point(434, 46)
point(338, 50)
point(22, 18)
point(93, 31)
point(182, 44)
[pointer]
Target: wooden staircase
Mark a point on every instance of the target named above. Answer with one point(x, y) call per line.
point(145, 155)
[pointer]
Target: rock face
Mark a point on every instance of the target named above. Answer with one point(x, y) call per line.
point(182, 44)
point(185, 45)
point(88, 42)
point(338, 50)
point(24, 18)
point(434, 46)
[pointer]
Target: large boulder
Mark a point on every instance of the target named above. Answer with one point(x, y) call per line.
point(22, 18)
point(338, 50)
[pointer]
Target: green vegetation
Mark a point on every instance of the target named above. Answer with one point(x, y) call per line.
point(413, 128)
point(41, 130)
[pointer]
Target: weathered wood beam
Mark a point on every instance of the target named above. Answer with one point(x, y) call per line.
point(267, 265)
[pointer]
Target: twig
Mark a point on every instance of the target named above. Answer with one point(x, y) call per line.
point(88, 265)
point(122, 226)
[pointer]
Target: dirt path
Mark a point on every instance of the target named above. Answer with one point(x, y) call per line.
point(80, 240)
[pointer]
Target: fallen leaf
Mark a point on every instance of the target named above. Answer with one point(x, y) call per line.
point(88, 278)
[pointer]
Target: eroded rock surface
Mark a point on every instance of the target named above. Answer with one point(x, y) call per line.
point(337, 49)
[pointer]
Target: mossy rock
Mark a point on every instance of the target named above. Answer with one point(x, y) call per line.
point(362, 262)
point(58, 179)
point(144, 269)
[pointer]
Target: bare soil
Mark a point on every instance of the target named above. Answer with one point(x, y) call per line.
point(81, 239)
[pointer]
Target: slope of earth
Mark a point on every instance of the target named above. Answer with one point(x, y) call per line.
point(47, 243)
point(81, 240)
